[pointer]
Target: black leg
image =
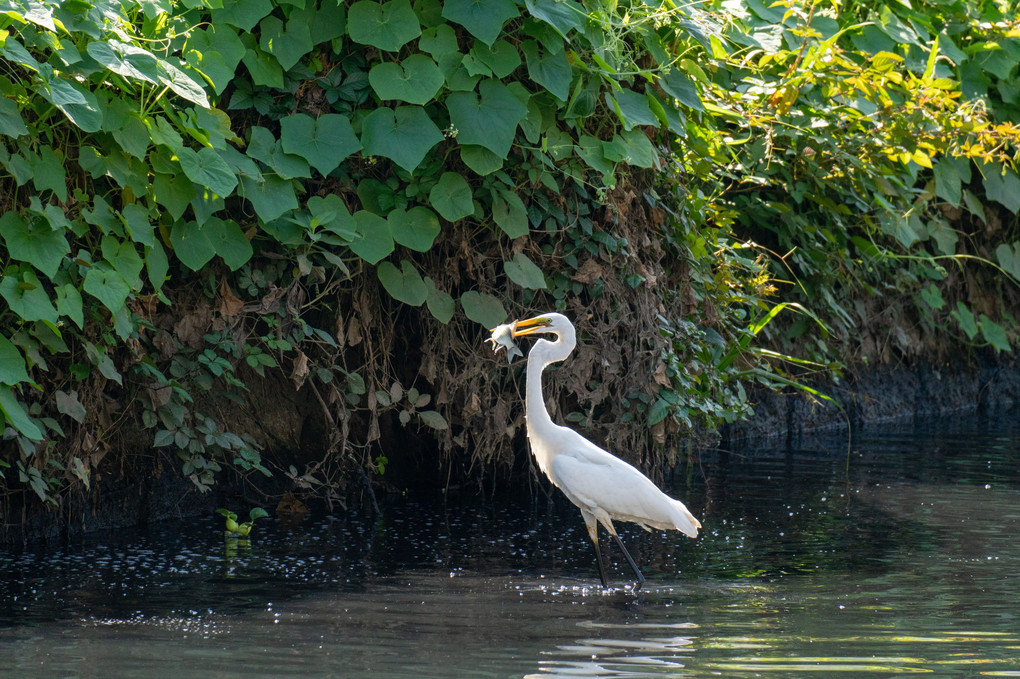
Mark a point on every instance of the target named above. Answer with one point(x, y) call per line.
point(598, 560)
point(640, 578)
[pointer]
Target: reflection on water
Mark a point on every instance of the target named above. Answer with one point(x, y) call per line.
point(900, 558)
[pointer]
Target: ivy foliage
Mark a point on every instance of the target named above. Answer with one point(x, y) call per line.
point(290, 152)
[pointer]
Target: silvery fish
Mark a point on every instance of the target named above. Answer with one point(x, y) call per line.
point(503, 338)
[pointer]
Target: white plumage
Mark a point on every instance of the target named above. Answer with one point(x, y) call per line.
point(603, 486)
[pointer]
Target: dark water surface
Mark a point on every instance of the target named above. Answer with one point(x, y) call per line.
point(899, 557)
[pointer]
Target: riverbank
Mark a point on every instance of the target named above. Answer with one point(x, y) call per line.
point(159, 492)
point(883, 394)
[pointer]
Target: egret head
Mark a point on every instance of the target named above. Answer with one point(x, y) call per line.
point(551, 323)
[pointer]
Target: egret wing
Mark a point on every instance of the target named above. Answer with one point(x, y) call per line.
point(609, 488)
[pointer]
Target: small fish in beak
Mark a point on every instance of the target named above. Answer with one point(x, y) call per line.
point(503, 338)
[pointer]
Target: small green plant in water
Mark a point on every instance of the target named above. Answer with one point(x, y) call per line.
point(235, 529)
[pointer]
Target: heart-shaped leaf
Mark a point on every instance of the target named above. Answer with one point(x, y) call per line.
point(488, 118)
point(414, 80)
point(264, 147)
point(452, 198)
point(404, 284)
point(632, 108)
point(549, 69)
point(374, 240)
point(501, 57)
point(415, 229)
point(287, 45)
point(324, 141)
point(509, 213)
point(12, 363)
point(524, 272)
point(206, 168)
point(16, 415)
point(108, 286)
point(270, 195)
point(229, 242)
point(35, 242)
point(563, 15)
point(388, 26)
point(191, 244)
point(483, 308)
point(484, 19)
point(403, 135)
point(439, 302)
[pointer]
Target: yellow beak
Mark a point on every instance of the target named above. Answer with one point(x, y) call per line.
point(532, 325)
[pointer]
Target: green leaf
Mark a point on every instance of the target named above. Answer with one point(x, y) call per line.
point(77, 103)
point(374, 239)
point(70, 304)
point(501, 58)
point(994, 334)
point(452, 197)
point(265, 70)
point(440, 303)
point(948, 183)
point(965, 317)
point(404, 135)
point(483, 308)
point(215, 52)
point(182, 84)
point(415, 229)
point(68, 404)
point(244, 14)
point(480, 159)
point(1009, 258)
point(680, 87)
point(388, 26)
point(15, 414)
point(510, 215)
point(191, 244)
point(11, 122)
point(206, 168)
point(288, 46)
point(48, 172)
point(228, 241)
point(122, 256)
point(524, 272)
point(124, 59)
point(108, 286)
point(404, 284)
point(563, 15)
point(638, 149)
point(551, 70)
point(633, 109)
point(324, 142)
point(35, 242)
point(658, 412)
point(27, 297)
point(270, 195)
point(12, 363)
point(264, 147)
point(173, 194)
point(156, 266)
point(433, 419)
point(488, 118)
point(1003, 185)
point(484, 19)
point(415, 80)
point(137, 223)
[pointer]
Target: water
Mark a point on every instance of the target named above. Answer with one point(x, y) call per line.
point(896, 558)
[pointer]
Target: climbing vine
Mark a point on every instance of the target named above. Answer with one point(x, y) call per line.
point(341, 196)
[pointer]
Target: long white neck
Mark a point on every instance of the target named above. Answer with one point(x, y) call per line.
point(543, 354)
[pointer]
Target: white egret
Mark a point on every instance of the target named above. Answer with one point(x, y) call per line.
point(603, 486)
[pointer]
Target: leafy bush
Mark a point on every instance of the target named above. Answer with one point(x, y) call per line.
point(199, 192)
